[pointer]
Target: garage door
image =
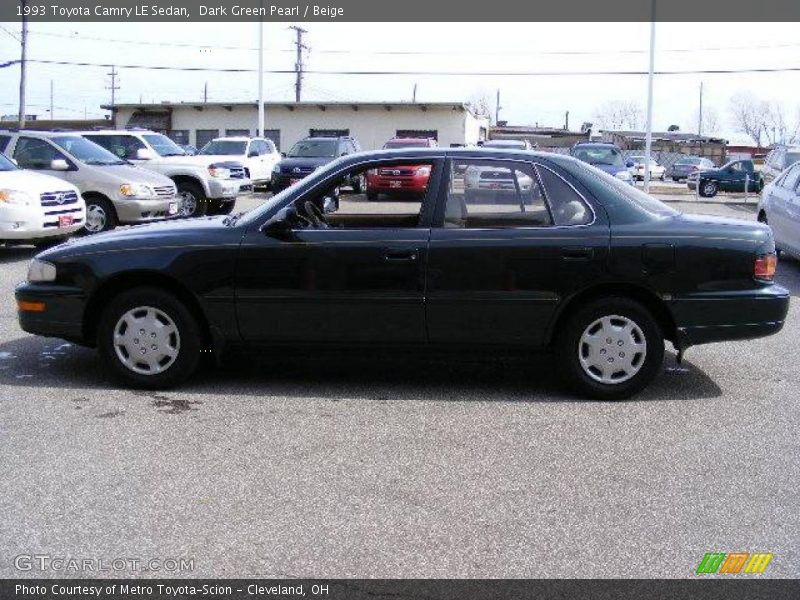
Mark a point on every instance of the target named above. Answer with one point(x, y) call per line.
point(418, 133)
point(328, 132)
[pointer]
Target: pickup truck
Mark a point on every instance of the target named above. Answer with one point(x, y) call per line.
point(205, 186)
point(734, 176)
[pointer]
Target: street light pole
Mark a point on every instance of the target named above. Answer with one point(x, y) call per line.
point(649, 132)
point(261, 72)
point(23, 65)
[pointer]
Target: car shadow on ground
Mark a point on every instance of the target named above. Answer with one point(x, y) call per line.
point(29, 362)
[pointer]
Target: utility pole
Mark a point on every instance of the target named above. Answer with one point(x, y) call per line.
point(52, 116)
point(566, 121)
point(113, 87)
point(260, 132)
point(298, 65)
point(649, 131)
point(205, 93)
point(23, 64)
point(414, 94)
point(497, 109)
point(700, 114)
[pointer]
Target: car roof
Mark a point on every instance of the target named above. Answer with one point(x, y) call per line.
point(235, 138)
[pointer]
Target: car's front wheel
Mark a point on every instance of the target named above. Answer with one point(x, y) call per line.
point(193, 201)
point(149, 339)
point(610, 349)
point(709, 189)
point(100, 215)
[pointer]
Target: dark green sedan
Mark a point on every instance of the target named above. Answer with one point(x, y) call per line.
point(735, 176)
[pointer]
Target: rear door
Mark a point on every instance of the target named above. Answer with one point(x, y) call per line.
point(790, 236)
point(510, 241)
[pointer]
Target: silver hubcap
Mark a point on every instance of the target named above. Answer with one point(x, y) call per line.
point(612, 349)
point(95, 218)
point(709, 189)
point(188, 204)
point(146, 340)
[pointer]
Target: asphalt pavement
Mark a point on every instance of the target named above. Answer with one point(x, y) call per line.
point(412, 467)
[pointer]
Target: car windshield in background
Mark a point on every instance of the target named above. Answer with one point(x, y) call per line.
point(688, 161)
point(600, 156)
point(224, 147)
point(406, 144)
point(791, 158)
point(511, 144)
point(6, 164)
point(87, 152)
point(313, 149)
point(163, 145)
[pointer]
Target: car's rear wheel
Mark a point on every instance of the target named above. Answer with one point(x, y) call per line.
point(149, 339)
point(100, 215)
point(709, 189)
point(610, 349)
point(193, 199)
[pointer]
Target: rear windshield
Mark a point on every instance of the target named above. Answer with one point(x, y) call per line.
point(85, 151)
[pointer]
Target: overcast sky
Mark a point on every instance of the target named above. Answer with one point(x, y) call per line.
point(490, 47)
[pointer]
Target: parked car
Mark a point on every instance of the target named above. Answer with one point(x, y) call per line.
point(507, 144)
point(603, 156)
point(35, 208)
point(686, 165)
point(494, 183)
point(310, 154)
point(204, 186)
point(408, 180)
point(115, 192)
point(637, 169)
point(583, 264)
point(779, 207)
point(733, 176)
point(258, 155)
point(778, 160)
point(188, 149)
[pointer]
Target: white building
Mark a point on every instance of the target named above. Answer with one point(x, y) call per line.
point(371, 123)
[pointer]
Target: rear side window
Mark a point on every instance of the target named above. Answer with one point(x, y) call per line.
point(121, 146)
point(566, 205)
point(790, 180)
point(32, 153)
point(494, 195)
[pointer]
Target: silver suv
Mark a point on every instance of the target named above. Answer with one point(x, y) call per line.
point(115, 191)
point(206, 185)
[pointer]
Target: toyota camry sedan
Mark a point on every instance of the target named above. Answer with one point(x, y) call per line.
point(560, 257)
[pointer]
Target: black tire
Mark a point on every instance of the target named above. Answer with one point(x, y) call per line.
point(372, 196)
point(190, 339)
point(219, 207)
point(193, 199)
point(45, 243)
point(100, 215)
point(676, 179)
point(569, 345)
point(708, 189)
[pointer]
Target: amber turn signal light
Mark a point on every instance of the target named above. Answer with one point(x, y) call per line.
point(764, 267)
point(26, 306)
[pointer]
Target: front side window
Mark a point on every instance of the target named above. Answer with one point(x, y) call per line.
point(163, 145)
point(122, 146)
point(790, 179)
point(791, 158)
point(494, 194)
point(32, 153)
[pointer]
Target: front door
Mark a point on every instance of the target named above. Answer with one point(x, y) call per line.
point(355, 274)
point(514, 239)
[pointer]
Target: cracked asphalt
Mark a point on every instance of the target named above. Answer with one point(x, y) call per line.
point(400, 467)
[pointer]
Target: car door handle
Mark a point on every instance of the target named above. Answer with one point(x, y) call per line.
point(577, 253)
point(400, 255)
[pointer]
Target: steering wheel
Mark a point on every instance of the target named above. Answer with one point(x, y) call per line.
point(316, 215)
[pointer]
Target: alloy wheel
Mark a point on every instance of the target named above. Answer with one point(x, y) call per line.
point(188, 204)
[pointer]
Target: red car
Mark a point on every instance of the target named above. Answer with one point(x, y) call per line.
point(409, 180)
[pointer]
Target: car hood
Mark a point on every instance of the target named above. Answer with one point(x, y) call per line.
point(290, 163)
point(204, 160)
point(31, 181)
point(133, 175)
point(176, 232)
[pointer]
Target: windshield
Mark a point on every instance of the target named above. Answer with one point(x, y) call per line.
point(6, 164)
point(689, 161)
point(518, 144)
point(87, 152)
point(406, 144)
point(224, 147)
point(599, 155)
point(163, 145)
point(313, 149)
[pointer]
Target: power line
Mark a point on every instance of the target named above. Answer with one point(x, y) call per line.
point(430, 73)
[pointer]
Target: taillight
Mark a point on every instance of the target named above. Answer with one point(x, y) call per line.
point(764, 267)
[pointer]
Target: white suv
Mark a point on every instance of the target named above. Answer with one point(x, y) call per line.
point(258, 155)
point(205, 185)
point(37, 209)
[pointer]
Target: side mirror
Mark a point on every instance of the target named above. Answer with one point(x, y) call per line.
point(59, 164)
point(144, 154)
point(283, 154)
point(629, 163)
point(280, 225)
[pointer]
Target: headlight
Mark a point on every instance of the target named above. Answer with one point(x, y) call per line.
point(276, 169)
point(17, 197)
point(136, 190)
point(40, 270)
point(624, 175)
point(423, 171)
point(220, 172)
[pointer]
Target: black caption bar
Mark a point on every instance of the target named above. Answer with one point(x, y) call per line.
point(399, 589)
point(711, 11)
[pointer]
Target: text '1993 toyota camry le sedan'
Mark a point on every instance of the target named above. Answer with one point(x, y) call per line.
point(539, 252)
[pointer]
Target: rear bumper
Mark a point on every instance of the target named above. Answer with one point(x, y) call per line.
point(717, 317)
point(63, 313)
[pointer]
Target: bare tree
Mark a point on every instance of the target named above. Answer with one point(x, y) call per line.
point(711, 124)
point(619, 114)
point(480, 103)
point(748, 115)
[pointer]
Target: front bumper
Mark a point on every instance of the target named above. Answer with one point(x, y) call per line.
point(144, 211)
point(33, 222)
point(741, 315)
point(224, 189)
point(62, 316)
